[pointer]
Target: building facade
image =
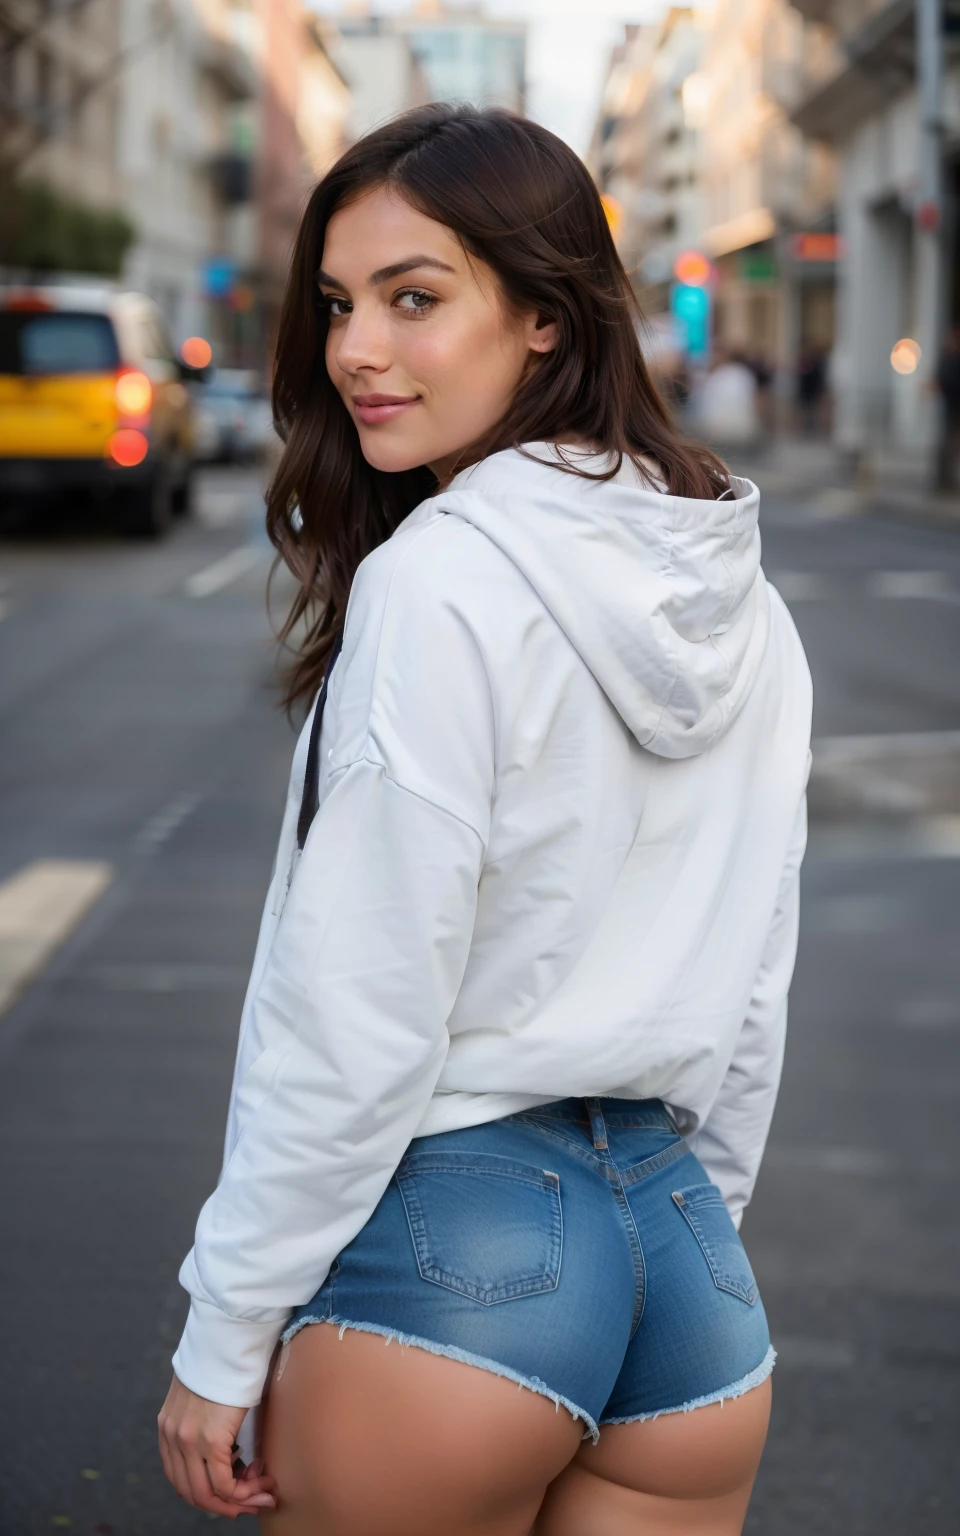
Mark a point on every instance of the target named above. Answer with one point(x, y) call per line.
point(646, 150)
point(899, 280)
point(59, 115)
point(187, 131)
point(466, 55)
point(765, 184)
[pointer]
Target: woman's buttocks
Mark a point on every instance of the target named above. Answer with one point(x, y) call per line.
point(577, 1248)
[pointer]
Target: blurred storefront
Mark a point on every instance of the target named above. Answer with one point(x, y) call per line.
point(899, 154)
point(695, 143)
point(646, 149)
point(768, 190)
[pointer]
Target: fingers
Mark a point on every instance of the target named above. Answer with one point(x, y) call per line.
point(196, 1447)
point(250, 1489)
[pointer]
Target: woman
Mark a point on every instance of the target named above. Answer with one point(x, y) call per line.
point(544, 917)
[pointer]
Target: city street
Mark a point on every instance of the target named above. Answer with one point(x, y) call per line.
point(141, 732)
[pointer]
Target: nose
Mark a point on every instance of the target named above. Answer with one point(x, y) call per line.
point(362, 343)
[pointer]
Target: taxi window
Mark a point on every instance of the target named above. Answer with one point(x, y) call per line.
point(56, 343)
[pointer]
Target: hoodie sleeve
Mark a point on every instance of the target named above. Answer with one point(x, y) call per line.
point(731, 1141)
point(353, 1005)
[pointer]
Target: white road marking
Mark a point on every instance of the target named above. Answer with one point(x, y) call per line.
point(39, 907)
point(5, 609)
point(154, 833)
point(862, 1161)
point(921, 837)
point(854, 749)
point(223, 572)
point(167, 976)
point(923, 586)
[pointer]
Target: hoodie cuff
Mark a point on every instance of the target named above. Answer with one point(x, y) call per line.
point(225, 1359)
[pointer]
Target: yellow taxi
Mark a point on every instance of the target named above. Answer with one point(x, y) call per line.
point(93, 399)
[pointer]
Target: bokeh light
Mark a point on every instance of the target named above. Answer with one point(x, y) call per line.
point(133, 393)
point(127, 447)
point(196, 352)
point(905, 356)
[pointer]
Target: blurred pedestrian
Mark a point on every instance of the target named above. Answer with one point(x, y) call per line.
point(727, 412)
point(534, 911)
point(811, 389)
point(948, 383)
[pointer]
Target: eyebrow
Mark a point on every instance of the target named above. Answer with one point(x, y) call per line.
point(384, 274)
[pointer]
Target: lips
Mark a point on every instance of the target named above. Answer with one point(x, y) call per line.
point(374, 408)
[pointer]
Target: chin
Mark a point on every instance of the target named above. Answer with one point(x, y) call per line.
point(391, 457)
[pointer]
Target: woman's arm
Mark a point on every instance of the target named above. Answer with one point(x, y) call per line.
point(731, 1140)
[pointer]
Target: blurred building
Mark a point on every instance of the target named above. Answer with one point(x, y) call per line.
point(766, 186)
point(466, 55)
point(304, 106)
point(170, 144)
point(187, 133)
point(646, 150)
point(429, 53)
point(380, 64)
point(59, 115)
point(901, 273)
point(694, 140)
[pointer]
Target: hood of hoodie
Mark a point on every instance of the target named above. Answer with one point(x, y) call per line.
point(662, 596)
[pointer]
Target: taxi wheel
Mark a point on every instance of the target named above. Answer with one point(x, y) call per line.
point(147, 509)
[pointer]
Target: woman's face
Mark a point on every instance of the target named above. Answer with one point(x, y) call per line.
point(420, 346)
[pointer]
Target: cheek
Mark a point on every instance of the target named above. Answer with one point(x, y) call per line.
point(471, 357)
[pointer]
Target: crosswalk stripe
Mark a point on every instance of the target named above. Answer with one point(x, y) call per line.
point(39, 906)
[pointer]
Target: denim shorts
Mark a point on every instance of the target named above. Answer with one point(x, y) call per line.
point(578, 1249)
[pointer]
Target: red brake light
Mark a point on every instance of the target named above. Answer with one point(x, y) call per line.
point(28, 301)
point(133, 393)
point(127, 447)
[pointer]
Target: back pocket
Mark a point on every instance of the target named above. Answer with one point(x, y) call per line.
point(709, 1219)
point(487, 1227)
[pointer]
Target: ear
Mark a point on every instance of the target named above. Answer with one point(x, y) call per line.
point(542, 334)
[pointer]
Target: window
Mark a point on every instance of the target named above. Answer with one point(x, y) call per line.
point(56, 343)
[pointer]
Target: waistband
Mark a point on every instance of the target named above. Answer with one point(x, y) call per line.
point(598, 1115)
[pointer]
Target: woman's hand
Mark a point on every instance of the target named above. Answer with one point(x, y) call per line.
point(197, 1441)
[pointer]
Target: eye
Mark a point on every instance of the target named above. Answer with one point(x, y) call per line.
point(414, 301)
point(336, 307)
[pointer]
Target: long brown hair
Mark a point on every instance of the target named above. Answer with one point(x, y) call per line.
point(522, 202)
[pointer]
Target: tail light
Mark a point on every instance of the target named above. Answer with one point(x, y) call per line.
point(127, 447)
point(133, 393)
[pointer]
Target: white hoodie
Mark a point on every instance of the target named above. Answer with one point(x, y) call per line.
point(561, 820)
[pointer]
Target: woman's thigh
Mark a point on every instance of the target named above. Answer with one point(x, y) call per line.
point(367, 1437)
point(683, 1474)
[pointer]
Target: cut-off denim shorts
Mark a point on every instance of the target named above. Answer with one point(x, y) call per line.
point(577, 1249)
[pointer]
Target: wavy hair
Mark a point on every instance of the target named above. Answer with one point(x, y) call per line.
point(521, 201)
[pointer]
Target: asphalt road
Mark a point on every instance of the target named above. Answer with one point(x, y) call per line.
point(139, 726)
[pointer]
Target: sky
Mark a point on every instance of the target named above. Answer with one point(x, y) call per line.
point(568, 49)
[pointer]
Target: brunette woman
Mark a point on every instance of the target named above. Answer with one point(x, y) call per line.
point(514, 1031)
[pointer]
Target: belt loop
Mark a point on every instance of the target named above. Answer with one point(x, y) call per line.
point(598, 1128)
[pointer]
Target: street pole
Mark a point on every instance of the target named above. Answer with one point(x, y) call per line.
point(929, 215)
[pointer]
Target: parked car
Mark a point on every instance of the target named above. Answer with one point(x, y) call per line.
point(234, 420)
point(93, 400)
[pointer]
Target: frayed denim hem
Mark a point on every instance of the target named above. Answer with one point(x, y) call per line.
point(450, 1352)
point(736, 1389)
